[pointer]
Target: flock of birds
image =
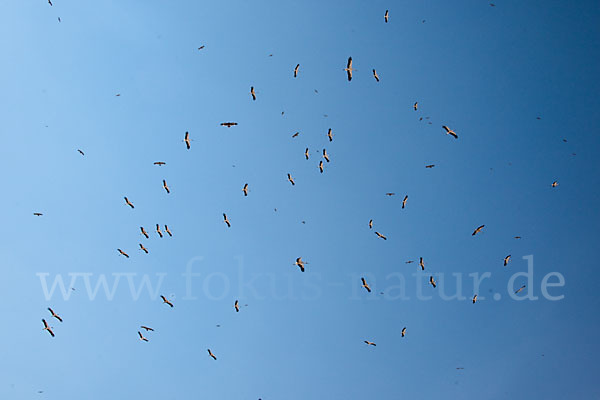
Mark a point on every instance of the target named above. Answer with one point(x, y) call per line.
point(349, 70)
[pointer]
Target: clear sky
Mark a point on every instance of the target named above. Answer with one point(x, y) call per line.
point(514, 81)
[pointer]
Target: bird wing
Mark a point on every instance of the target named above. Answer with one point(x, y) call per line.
point(45, 323)
point(363, 281)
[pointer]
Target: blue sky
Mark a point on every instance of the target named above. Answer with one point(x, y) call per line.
point(487, 72)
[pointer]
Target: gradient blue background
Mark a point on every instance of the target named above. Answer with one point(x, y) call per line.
point(487, 72)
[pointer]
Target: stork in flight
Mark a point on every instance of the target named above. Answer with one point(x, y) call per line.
point(145, 250)
point(48, 328)
point(330, 135)
point(321, 166)
point(349, 69)
point(226, 220)
point(80, 152)
point(296, 70)
point(450, 132)
point(245, 189)
point(142, 336)
point(306, 153)
point(168, 230)
point(432, 282)
point(370, 224)
point(403, 331)
point(158, 230)
point(55, 315)
point(416, 105)
point(252, 93)
point(506, 260)
point(375, 75)
point(390, 194)
point(147, 328)
point(166, 186)
point(474, 299)
point(291, 179)
point(521, 288)
point(404, 201)
point(325, 155)
point(229, 124)
point(379, 235)
point(236, 306)
point(128, 202)
point(37, 214)
point(370, 343)
point(476, 231)
point(164, 299)
point(212, 355)
point(187, 140)
point(421, 264)
point(123, 253)
point(295, 134)
point(300, 263)
point(554, 184)
point(430, 166)
point(365, 285)
point(160, 163)
point(386, 16)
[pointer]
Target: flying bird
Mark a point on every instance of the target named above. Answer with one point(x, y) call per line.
point(365, 285)
point(300, 263)
point(506, 260)
point(168, 231)
point(421, 264)
point(325, 156)
point(55, 315)
point(147, 328)
point(228, 124)
point(123, 253)
point(375, 75)
point(517, 237)
point(474, 299)
point(165, 186)
point(164, 299)
point(349, 69)
point(128, 202)
point(296, 70)
point(390, 194)
point(403, 331)
point(432, 281)
point(404, 201)
point(370, 343)
point(416, 106)
point(145, 250)
point(201, 47)
point(186, 139)
point(236, 306)
point(252, 93)
point(321, 166)
point(245, 189)
point(380, 236)
point(295, 134)
point(330, 135)
point(554, 184)
point(370, 224)
point(476, 231)
point(80, 152)
point(386, 16)
point(291, 179)
point(50, 2)
point(48, 328)
point(226, 220)
point(211, 354)
point(306, 153)
point(142, 336)
point(37, 214)
point(158, 230)
point(450, 132)
point(430, 166)
point(409, 262)
point(160, 163)
point(521, 288)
